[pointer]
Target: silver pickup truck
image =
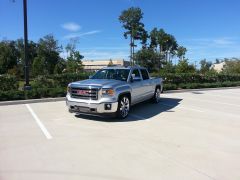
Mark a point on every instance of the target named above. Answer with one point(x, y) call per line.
point(112, 91)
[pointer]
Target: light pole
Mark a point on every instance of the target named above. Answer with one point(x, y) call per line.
point(26, 67)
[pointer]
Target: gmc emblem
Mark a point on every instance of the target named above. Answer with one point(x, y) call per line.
point(82, 92)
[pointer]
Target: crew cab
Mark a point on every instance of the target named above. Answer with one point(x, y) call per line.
point(112, 91)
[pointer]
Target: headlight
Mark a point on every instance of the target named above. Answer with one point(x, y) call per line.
point(68, 89)
point(107, 92)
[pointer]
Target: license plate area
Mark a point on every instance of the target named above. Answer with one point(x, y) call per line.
point(82, 109)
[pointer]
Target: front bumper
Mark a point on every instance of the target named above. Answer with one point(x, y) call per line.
point(91, 107)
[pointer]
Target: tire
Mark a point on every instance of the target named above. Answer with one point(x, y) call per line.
point(70, 110)
point(123, 107)
point(156, 97)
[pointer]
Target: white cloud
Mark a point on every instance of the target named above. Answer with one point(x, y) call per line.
point(224, 41)
point(212, 48)
point(71, 26)
point(78, 35)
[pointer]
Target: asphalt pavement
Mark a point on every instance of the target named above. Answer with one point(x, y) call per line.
point(191, 135)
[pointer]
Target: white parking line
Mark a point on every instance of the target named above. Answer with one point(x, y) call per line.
point(40, 124)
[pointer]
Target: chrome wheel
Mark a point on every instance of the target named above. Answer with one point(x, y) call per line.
point(124, 107)
point(157, 95)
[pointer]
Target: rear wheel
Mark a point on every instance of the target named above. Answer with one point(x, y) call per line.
point(123, 107)
point(156, 97)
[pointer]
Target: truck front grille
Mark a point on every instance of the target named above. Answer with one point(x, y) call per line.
point(84, 93)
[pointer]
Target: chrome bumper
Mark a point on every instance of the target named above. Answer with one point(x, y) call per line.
point(76, 105)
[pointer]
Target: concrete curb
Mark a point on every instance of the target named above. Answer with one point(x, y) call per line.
point(30, 101)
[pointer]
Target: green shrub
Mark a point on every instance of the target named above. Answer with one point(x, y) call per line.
point(11, 95)
point(8, 82)
point(35, 93)
point(45, 92)
point(169, 87)
point(62, 80)
point(197, 78)
point(42, 82)
point(58, 80)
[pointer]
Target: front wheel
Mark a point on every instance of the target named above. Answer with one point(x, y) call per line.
point(123, 107)
point(156, 97)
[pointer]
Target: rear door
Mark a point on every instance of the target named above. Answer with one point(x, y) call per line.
point(147, 84)
point(137, 89)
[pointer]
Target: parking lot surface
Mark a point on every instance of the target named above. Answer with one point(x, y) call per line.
point(189, 136)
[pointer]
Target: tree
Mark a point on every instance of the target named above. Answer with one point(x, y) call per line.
point(131, 21)
point(217, 61)
point(74, 60)
point(147, 58)
point(181, 51)
point(49, 50)
point(205, 66)
point(8, 56)
point(38, 66)
point(110, 62)
point(184, 67)
point(32, 53)
point(169, 46)
point(154, 39)
point(60, 66)
point(168, 68)
point(232, 66)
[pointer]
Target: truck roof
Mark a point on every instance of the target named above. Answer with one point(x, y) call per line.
point(123, 67)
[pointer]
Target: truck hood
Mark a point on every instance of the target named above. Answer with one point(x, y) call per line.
point(101, 83)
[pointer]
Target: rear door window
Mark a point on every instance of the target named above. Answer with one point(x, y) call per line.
point(144, 73)
point(136, 72)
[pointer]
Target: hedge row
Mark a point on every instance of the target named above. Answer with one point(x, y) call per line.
point(55, 85)
point(200, 85)
point(32, 94)
point(197, 78)
point(8, 82)
point(52, 81)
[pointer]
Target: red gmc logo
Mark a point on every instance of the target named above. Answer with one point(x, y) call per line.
point(82, 92)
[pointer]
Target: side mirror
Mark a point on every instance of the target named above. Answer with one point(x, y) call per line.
point(134, 78)
point(137, 79)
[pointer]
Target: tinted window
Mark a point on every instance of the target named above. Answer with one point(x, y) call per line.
point(136, 72)
point(144, 74)
point(118, 74)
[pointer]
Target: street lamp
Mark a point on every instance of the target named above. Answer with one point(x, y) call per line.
point(27, 86)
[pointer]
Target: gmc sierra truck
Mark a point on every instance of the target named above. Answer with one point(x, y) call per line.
point(113, 90)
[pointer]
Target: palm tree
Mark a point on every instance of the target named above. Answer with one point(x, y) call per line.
point(181, 51)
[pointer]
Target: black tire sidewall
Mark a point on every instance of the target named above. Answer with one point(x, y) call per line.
point(118, 113)
point(154, 96)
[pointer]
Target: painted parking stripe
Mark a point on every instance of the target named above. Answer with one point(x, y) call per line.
point(39, 123)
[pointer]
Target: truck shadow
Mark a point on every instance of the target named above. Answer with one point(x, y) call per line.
point(142, 111)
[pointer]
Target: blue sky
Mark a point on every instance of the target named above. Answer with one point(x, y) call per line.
point(208, 28)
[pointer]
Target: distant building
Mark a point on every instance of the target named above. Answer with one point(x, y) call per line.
point(93, 65)
point(219, 66)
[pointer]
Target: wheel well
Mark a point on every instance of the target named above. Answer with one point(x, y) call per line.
point(158, 86)
point(128, 94)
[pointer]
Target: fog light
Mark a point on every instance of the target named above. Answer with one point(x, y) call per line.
point(108, 106)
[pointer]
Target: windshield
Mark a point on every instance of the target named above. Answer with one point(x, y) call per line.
point(118, 74)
